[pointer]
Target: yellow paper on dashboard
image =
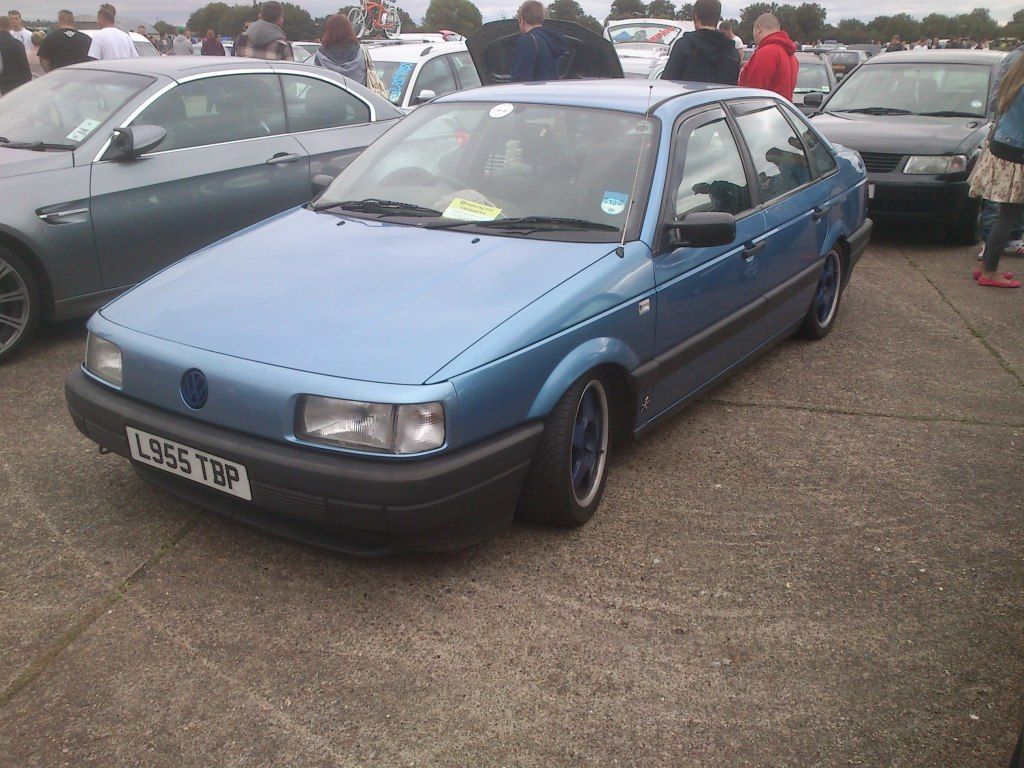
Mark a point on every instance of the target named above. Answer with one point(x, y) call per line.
point(467, 210)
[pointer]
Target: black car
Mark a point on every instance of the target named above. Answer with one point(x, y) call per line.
point(845, 61)
point(918, 118)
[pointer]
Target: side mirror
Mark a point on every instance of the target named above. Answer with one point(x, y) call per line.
point(814, 99)
point(425, 95)
point(131, 143)
point(701, 230)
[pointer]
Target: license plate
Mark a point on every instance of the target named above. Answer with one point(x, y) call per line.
point(184, 461)
point(871, 191)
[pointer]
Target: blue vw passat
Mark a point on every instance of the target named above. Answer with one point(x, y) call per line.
point(504, 286)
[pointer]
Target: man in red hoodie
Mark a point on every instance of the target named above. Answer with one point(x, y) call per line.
point(773, 65)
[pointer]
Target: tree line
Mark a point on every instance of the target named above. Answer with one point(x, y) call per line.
point(806, 22)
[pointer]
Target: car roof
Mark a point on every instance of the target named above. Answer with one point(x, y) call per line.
point(134, 36)
point(175, 66)
point(412, 51)
point(625, 95)
point(938, 56)
point(809, 56)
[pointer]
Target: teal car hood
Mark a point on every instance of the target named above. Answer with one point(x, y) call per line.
point(353, 298)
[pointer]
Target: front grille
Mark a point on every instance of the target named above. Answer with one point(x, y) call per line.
point(881, 162)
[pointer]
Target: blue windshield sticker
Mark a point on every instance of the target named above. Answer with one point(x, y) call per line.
point(398, 80)
point(614, 203)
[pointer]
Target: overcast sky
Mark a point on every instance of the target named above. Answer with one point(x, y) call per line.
point(176, 11)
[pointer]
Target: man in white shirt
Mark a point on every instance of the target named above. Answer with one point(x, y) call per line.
point(725, 27)
point(109, 42)
point(18, 31)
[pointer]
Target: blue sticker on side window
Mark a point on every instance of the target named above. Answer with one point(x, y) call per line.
point(614, 203)
point(398, 81)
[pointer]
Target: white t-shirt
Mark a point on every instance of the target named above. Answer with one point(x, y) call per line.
point(25, 36)
point(112, 43)
point(739, 43)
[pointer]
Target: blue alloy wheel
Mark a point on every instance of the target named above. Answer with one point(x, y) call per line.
point(826, 297)
point(589, 443)
point(570, 468)
point(821, 315)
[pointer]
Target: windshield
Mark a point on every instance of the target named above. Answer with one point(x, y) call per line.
point(145, 48)
point(811, 77)
point(395, 75)
point(490, 166)
point(644, 33)
point(67, 106)
point(954, 89)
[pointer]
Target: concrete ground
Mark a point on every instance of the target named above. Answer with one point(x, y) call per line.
point(819, 564)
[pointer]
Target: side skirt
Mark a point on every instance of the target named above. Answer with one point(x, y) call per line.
point(698, 393)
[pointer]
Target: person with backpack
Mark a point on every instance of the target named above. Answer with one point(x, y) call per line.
point(704, 55)
point(538, 49)
point(341, 52)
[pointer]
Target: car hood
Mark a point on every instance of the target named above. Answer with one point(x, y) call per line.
point(17, 162)
point(588, 55)
point(902, 135)
point(352, 298)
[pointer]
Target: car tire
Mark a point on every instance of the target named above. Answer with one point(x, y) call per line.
point(966, 230)
point(828, 292)
point(567, 477)
point(20, 301)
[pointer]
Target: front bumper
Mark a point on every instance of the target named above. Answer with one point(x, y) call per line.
point(358, 505)
point(928, 199)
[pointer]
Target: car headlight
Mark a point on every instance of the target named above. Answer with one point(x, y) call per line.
point(373, 427)
point(103, 359)
point(936, 165)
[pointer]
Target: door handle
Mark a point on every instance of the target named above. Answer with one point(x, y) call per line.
point(751, 251)
point(284, 157)
point(821, 213)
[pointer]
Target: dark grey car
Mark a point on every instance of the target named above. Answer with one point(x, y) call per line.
point(111, 170)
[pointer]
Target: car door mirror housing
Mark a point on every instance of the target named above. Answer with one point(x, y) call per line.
point(814, 100)
point(425, 95)
point(701, 230)
point(135, 141)
point(321, 182)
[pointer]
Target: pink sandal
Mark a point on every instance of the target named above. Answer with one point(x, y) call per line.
point(976, 274)
point(989, 283)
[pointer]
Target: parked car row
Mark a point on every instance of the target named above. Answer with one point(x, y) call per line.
point(504, 285)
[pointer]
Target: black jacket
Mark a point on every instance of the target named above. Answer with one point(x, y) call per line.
point(703, 56)
point(15, 61)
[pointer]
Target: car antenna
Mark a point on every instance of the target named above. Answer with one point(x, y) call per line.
point(621, 250)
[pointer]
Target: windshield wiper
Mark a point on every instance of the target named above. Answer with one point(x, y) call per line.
point(382, 207)
point(35, 146)
point(877, 111)
point(532, 224)
point(950, 113)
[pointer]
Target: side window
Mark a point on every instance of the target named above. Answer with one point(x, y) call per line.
point(313, 104)
point(436, 76)
point(779, 159)
point(712, 176)
point(822, 161)
point(217, 109)
point(464, 68)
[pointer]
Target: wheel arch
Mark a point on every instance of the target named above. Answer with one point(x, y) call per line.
point(22, 249)
point(842, 244)
point(613, 358)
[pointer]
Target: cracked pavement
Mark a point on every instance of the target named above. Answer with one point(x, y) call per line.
point(818, 564)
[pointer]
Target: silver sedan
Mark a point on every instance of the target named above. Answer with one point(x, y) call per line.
point(114, 169)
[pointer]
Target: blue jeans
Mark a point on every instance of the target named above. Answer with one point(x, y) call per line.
point(989, 214)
